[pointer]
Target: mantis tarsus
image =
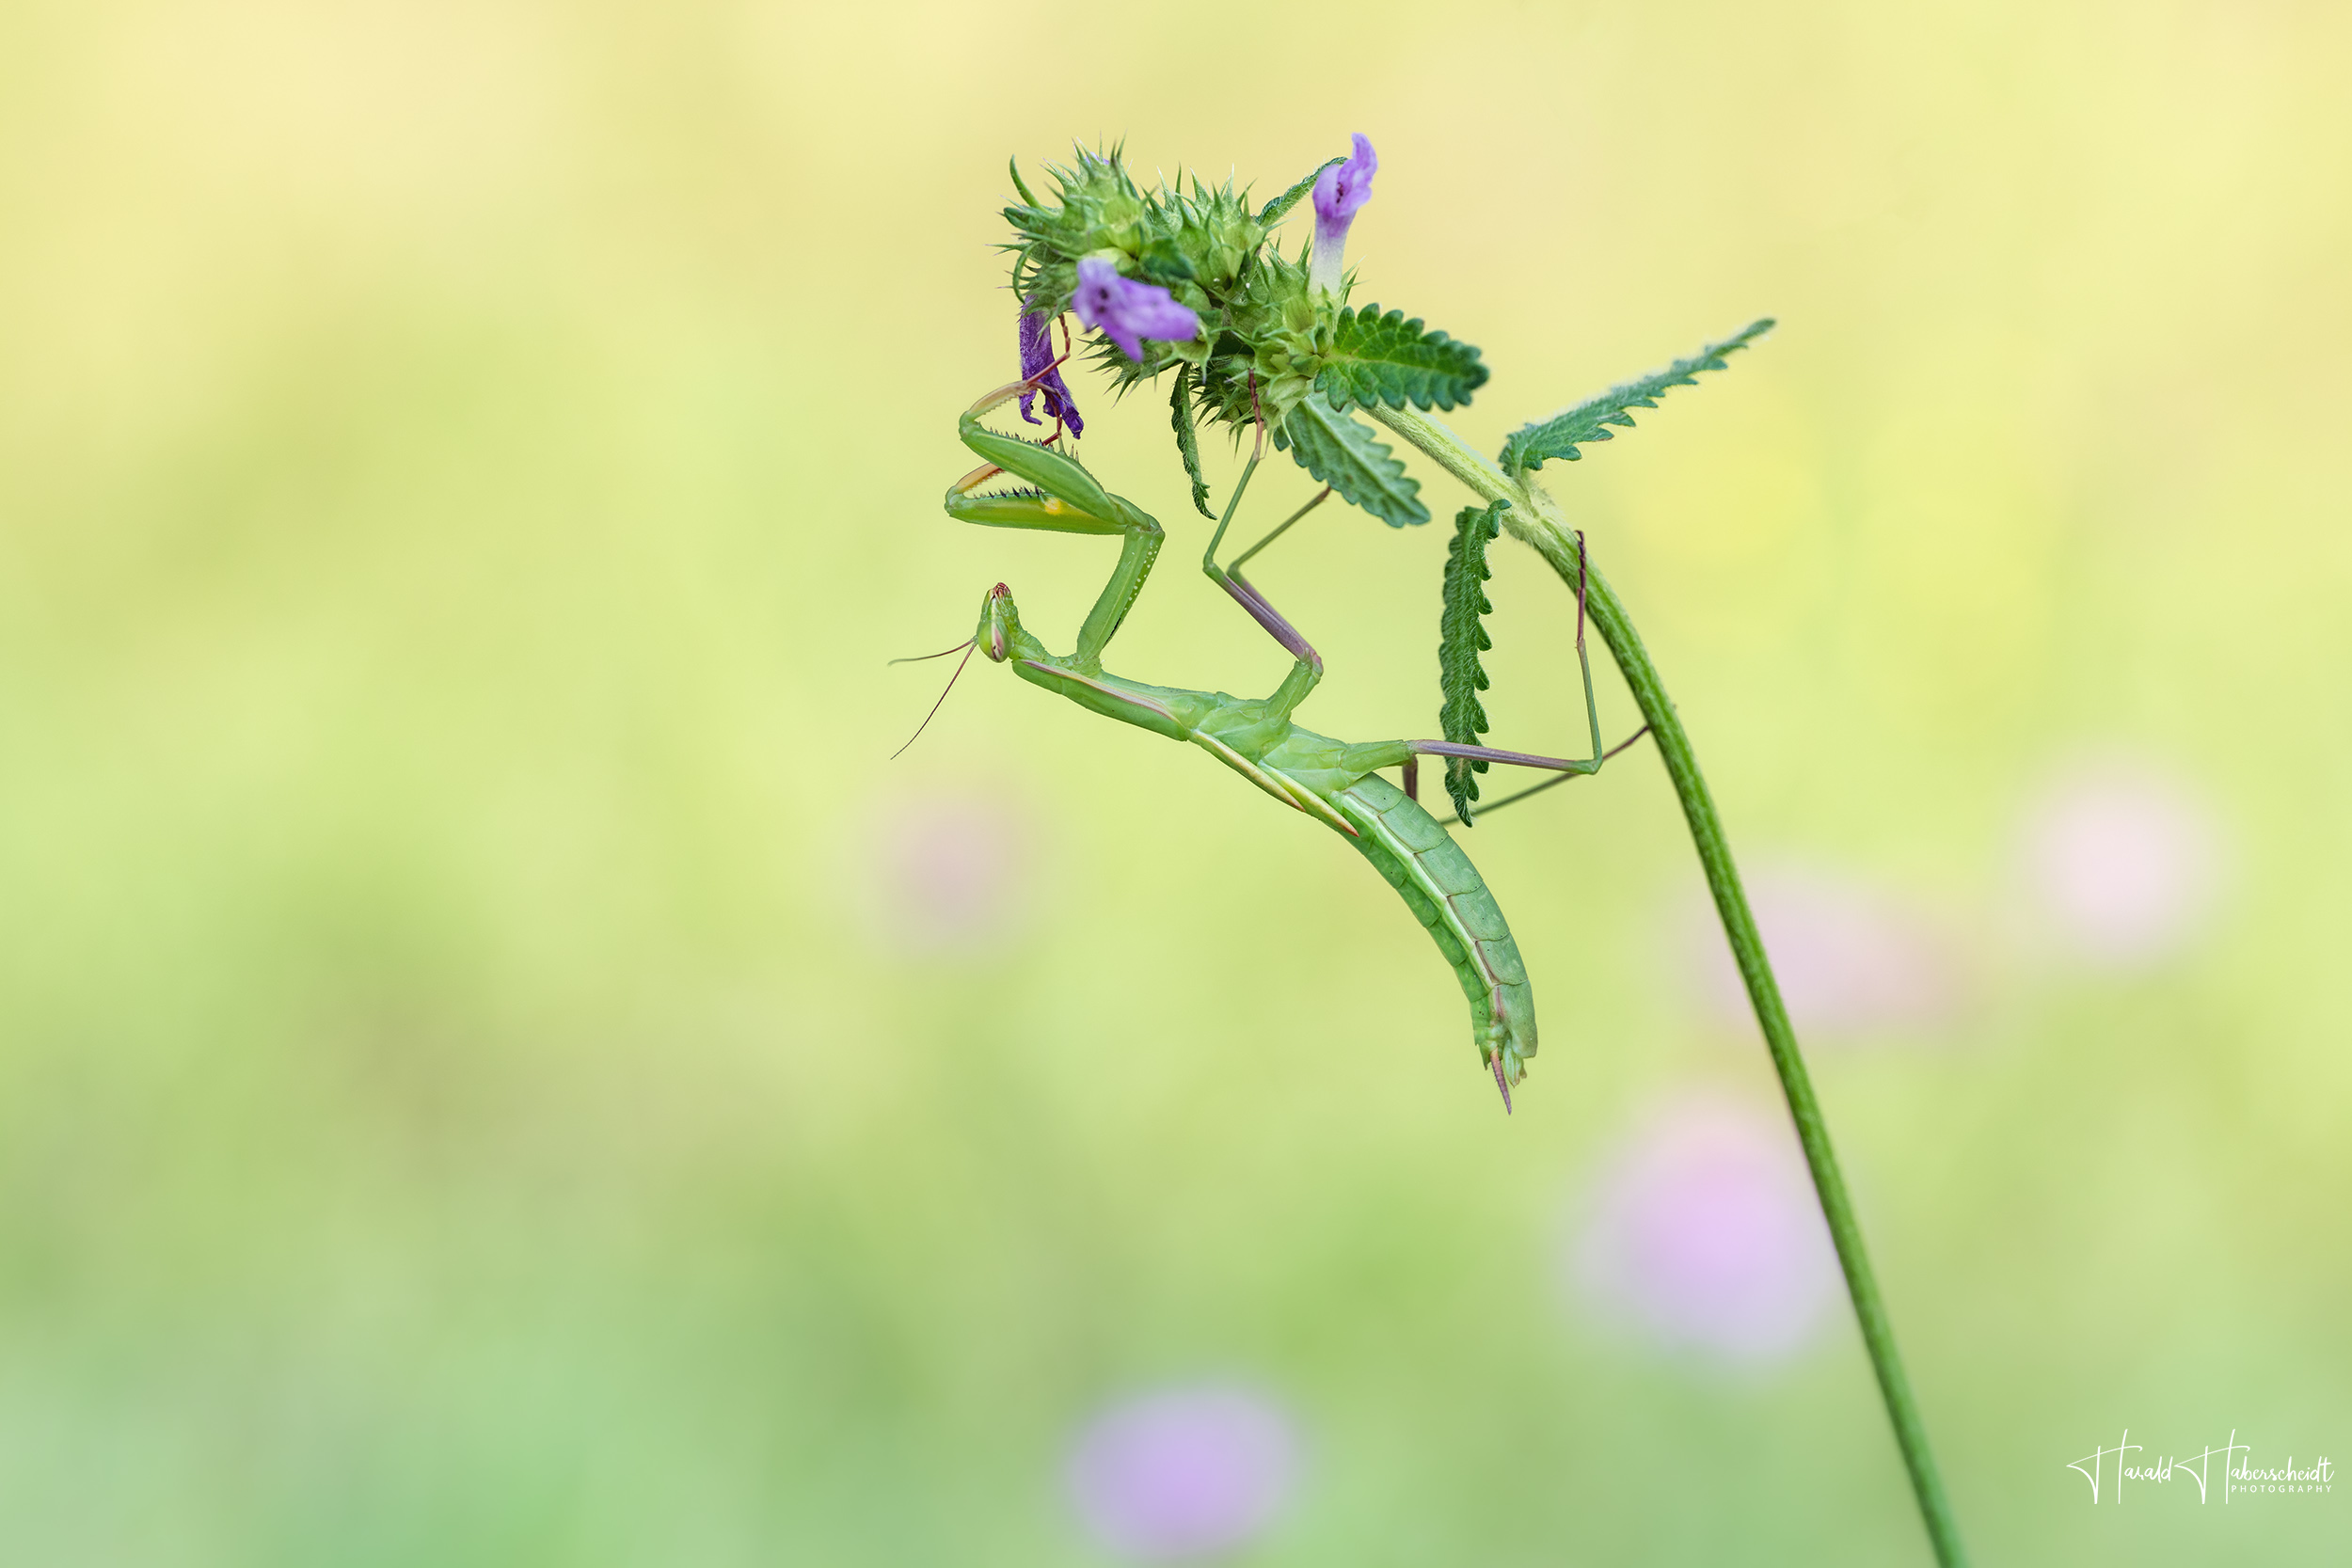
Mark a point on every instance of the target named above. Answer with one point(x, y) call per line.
point(1335, 782)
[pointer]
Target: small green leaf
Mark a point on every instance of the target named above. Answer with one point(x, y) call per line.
point(1014, 165)
point(1274, 210)
point(1531, 446)
point(1388, 358)
point(1461, 638)
point(1187, 441)
point(1343, 451)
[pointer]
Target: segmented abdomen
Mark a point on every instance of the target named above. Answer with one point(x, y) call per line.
point(1448, 897)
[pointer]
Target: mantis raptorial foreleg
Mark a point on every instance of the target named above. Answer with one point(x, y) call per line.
point(1067, 499)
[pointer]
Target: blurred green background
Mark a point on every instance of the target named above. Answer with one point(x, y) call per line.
point(495, 1067)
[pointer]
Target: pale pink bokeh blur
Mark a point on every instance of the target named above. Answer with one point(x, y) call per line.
point(1852, 959)
point(1701, 1233)
point(948, 871)
point(1184, 1472)
point(2124, 861)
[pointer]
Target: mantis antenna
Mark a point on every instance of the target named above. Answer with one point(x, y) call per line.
point(917, 659)
point(967, 646)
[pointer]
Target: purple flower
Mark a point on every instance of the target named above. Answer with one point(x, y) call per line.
point(1183, 1473)
point(1126, 311)
point(1340, 192)
point(1036, 351)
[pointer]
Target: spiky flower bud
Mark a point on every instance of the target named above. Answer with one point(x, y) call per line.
point(1186, 277)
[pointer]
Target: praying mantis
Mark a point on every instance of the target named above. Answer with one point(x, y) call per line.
point(1335, 782)
point(1188, 280)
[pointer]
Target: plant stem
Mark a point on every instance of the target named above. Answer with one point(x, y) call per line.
point(1534, 517)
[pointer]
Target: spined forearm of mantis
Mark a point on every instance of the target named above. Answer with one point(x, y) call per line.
point(1335, 782)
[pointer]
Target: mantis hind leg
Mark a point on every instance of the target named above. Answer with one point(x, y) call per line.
point(1394, 753)
point(1404, 754)
point(1552, 783)
point(1592, 718)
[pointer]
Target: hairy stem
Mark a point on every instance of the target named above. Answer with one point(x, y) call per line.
point(1535, 518)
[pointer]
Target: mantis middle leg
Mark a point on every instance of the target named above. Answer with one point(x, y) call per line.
point(1308, 669)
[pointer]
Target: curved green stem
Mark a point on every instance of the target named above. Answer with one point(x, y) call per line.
point(1535, 518)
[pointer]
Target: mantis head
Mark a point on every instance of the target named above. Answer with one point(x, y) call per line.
point(999, 636)
point(1000, 624)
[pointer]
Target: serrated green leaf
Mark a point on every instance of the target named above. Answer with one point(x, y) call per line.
point(1273, 211)
point(1376, 359)
point(1461, 638)
point(1534, 445)
point(1188, 441)
point(1342, 453)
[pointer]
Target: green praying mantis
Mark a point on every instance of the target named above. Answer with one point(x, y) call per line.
point(1335, 782)
point(1188, 279)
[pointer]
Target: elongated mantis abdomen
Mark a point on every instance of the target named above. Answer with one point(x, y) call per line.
point(1448, 897)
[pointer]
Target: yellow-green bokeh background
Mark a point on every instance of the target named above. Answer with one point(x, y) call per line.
point(464, 465)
